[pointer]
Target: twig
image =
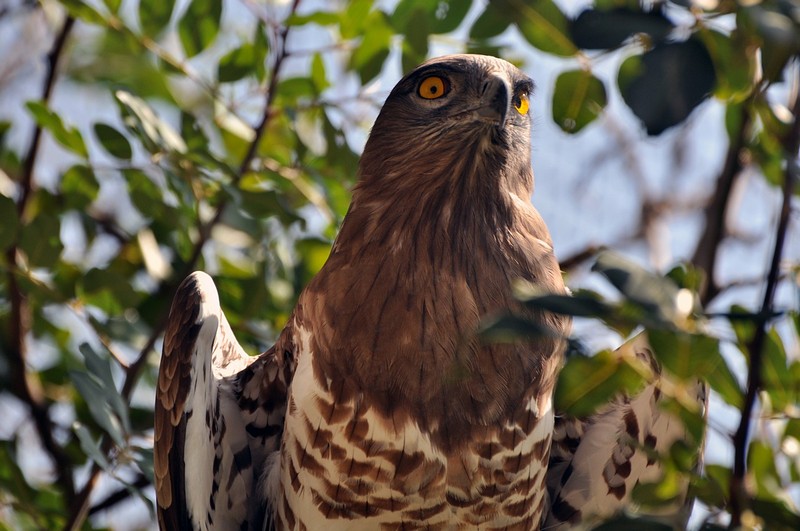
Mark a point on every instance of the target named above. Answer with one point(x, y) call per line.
point(581, 257)
point(119, 495)
point(738, 494)
point(705, 254)
point(80, 506)
point(20, 316)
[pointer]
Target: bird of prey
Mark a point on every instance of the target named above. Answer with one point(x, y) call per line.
point(380, 406)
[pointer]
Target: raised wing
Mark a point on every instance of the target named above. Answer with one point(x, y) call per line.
point(213, 402)
point(596, 462)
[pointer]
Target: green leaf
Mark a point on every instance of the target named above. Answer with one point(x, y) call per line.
point(80, 10)
point(89, 446)
point(511, 329)
point(79, 187)
point(100, 368)
point(735, 63)
point(199, 26)
point(580, 304)
point(320, 18)
point(656, 295)
point(542, 24)
point(155, 134)
point(777, 32)
point(587, 383)
point(95, 396)
point(578, 99)
point(318, 75)
point(154, 15)
point(41, 240)
point(246, 60)
point(777, 514)
point(113, 141)
point(144, 194)
point(70, 137)
point(663, 86)
point(9, 222)
point(113, 5)
point(442, 16)
point(777, 379)
point(492, 22)
point(373, 50)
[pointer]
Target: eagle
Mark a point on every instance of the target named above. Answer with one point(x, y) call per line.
point(380, 405)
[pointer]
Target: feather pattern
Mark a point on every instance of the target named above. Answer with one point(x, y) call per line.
point(380, 405)
point(595, 462)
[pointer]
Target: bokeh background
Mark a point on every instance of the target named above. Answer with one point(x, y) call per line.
point(143, 139)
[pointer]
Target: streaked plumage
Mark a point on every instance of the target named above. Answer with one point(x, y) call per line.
point(379, 406)
point(596, 462)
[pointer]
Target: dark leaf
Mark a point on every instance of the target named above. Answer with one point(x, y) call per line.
point(113, 141)
point(665, 84)
point(41, 240)
point(510, 329)
point(632, 523)
point(580, 304)
point(9, 222)
point(598, 30)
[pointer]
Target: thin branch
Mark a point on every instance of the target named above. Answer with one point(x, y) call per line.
point(738, 493)
point(119, 495)
point(23, 384)
point(706, 252)
point(79, 509)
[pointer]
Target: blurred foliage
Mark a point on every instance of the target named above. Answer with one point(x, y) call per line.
point(222, 156)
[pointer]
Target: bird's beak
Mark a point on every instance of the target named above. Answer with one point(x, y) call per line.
point(494, 100)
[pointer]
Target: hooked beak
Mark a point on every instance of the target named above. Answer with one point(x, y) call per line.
point(494, 100)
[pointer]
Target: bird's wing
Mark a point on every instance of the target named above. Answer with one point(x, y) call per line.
point(213, 402)
point(595, 462)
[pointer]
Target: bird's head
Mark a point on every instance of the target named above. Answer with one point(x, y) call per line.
point(452, 116)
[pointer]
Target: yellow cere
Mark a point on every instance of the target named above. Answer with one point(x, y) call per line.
point(432, 87)
point(521, 103)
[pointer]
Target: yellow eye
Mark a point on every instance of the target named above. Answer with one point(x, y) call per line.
point(433, 87)
point(521, 103)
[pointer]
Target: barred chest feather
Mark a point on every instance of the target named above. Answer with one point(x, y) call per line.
point(344, 465)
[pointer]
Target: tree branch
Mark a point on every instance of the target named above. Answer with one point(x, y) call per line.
point(23, 384)
point(79, 509)
point(738, 492)
point(119, 495)
point(705, 254)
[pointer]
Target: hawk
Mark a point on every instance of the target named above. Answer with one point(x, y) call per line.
point(379, 406)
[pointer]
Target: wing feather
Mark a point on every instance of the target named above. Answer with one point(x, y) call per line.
point(595, 462)
point(209, 463)
point(174, 382)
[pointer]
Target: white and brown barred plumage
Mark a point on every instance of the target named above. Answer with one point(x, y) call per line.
point(379, 407)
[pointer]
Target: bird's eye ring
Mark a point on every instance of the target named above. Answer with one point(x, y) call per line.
point(521, 103)
point(433, 87)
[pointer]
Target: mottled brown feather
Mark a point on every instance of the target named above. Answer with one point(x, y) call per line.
point(172, 389)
